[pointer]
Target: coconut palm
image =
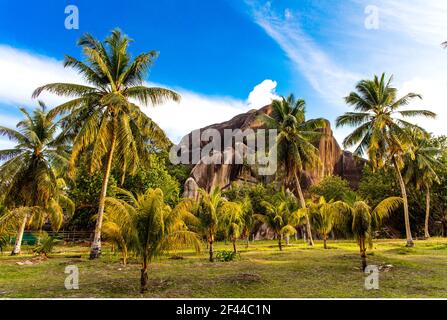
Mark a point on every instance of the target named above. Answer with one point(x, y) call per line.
point(147, 226)
point(102, 117)
point(358, 219)
point(211, 211)
point(420, 169)
point(232, 221)
point(281, 216)
point(295, 147)
point(323, 216)
point(381, 131)
point(29, 182)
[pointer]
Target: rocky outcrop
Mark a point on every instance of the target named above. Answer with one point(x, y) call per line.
point(334, 161)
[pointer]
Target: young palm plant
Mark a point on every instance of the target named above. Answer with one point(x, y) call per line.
point(148, 226)
point(102, 117)
point(381, 131)
point(232, 221)
point(358, 219)
point(29, 182)
point(323, 217)
point(420, 169)
point(281, 216)
point(296, 136)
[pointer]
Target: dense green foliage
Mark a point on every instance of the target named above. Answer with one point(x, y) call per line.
point(332, 188)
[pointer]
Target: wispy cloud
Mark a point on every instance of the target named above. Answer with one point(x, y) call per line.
point(407, 45)
point(329, 79)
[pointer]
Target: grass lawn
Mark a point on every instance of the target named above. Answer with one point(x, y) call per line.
point(262, 272)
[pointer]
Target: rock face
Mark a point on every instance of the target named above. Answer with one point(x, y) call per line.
point(334, 161)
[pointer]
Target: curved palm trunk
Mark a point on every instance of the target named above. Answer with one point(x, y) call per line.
point(427, 213)
point(303, 205)
point(410, 242)
point(144, 274)
point(95, 251)
point(18, 244)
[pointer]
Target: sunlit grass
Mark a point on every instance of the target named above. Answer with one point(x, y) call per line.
point(263, 271)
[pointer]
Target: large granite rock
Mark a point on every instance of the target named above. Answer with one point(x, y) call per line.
point(334, 161)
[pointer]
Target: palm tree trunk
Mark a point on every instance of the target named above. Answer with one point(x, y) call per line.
point(287, 239)
point(280, 243)
point(211, 251)
point(303, 205)
point(18, 244)
point(427, 213)
point(410, 242)
point(95, 251)
point(325, 241)
point(234, 246)
point(124, 255)
point(144, 275)
point(363, 253)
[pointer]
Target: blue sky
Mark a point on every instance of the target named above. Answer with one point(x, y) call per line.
point(229, 56)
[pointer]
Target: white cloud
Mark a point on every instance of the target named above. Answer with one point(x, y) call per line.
point(22, 72)
point(263, 94)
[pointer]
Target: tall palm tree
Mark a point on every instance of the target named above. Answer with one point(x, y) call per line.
point(420, 169)
point(296, 136)
point(102, 117)
point(357, 218)
point(148, 226)
point(380, 128)
point(280, 216)
point(29, 182)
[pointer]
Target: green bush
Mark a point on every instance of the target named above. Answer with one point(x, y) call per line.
point(227, 256)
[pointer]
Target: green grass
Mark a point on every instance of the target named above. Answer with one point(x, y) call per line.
point(262, 272)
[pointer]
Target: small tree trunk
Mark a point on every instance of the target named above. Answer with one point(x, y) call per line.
point(427, 213)
point(18, 244)
point(287, 239)
point(144, 275)
point(124, 255)
point(95, 251)
point(234, 246)
point(211, 251)
point(363, 253)
point(303, 205)
point(410, 242)
point(325, 241)
point(280, 243)
point(248, 241)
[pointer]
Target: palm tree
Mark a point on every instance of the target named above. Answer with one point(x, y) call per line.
point(148, 226)
point(323, 216)
point(294, 143)
point(280, 216)
point(357, 218)
point(380, 133)
point(420, 169)
point(29, 180)
point(102, 118)
point(232, 221)
point(211, 210)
